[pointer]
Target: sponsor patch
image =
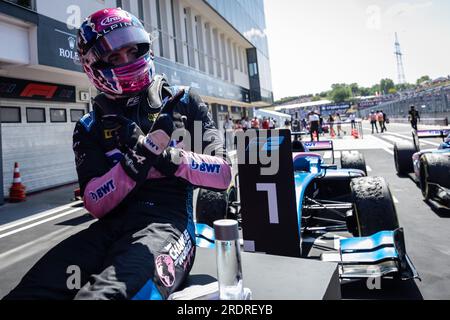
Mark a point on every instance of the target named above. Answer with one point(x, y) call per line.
point(103, 191)
point(205, 167)
point(268, 144)
point(166, 270)
point(182, 250)
point(111, 20)
point(88, 120)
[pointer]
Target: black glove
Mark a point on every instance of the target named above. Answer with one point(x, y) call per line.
point(168, 162)
point(124, 133)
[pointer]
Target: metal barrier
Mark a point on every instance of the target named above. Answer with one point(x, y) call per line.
point(426, 121)
point(347, 128)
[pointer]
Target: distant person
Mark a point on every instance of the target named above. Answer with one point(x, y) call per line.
point(287, 124)
point(320, 124)
point(352, 118)
point(296, 126)
point(229, 134)
point(338, 120)
point(304, 124)
point(314, 123)
point(255, 123)
point(373, 121)
point(331, 123)
point(245, 124)
point(386, 120)
point(271, 123)
point(380, 119)
point(413, 117)
point(265, 124)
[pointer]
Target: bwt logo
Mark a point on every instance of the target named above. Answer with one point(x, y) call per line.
point(103, 191)
point(151, 145)
point(269, 144)
point(110, 20)
point(205, 167)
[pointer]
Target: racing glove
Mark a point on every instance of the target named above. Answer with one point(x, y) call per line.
point(209, 172)
point(143, 150)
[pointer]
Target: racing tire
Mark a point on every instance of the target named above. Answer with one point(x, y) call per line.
point(353, 160)
point(373, 206)
point(403, 154)
point(213, 205)
point(434, 170)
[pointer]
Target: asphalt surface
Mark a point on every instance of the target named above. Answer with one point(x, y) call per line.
point(28, 230)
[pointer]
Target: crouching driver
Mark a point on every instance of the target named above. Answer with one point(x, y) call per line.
point(136, 178)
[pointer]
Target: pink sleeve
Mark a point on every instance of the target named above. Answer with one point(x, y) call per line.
point(105, 193)
point(204, 171)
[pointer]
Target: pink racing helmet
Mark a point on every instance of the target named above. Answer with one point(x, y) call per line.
point(104, 32)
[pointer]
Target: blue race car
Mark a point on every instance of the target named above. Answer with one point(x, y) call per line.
point(429, 168)
point(307, 198)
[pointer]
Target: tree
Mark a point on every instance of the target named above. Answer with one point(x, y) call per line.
point(386, 85)
point(340, 94)
point(316, 98)
point(354, 88)
point(423, 79)
point(364, 92)
point(392, 91)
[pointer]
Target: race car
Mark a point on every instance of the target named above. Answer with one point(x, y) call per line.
point(429, 168)
point(307, 197)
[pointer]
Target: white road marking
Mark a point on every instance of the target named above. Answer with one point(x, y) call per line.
point(39, 222)
point(15, 255)
point(395, 200)
point(410, 138)
point(369, 169)
point(38, 216)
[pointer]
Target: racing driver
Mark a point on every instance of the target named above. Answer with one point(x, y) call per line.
point(136, 174)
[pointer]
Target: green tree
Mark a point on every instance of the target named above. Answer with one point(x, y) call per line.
point(386, 85)
point(316, 98)
point(392, 91)
point(422, 79)
point(355, 90)
point(340, 94)
point(364, 92)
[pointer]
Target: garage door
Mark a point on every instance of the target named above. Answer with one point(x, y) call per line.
point(39, 137)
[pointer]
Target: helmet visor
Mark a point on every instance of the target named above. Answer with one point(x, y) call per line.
point(118, 39)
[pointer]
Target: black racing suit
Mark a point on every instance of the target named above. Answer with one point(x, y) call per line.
point(143, 245)
point(414, 117)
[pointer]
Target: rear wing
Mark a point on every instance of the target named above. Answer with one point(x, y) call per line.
point(429, 133)
point(320, 146)
point(326, 145)
point(433, 133)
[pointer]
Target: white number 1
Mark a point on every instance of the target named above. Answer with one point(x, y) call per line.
point(271, 190)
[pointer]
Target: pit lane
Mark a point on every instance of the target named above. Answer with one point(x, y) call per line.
point(426, 231)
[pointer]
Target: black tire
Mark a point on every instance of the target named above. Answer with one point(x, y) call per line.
point(232, 197)
point(373, 206)
point(353, 160)
point(434, 170)
point(211, 206)
point(403, 153)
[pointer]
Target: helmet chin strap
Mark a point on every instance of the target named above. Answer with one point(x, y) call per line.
point(157, 92)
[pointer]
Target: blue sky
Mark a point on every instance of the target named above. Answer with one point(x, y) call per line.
point(315, 43)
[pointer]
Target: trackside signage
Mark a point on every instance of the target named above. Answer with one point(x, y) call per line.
point(34, 90)
point(57, 45)
point(269, 214)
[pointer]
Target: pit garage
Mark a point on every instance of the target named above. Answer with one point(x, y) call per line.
point(38, 135)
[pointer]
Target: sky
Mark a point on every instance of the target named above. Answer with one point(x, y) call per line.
point(315, 43)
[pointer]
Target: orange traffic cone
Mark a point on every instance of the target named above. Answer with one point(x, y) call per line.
point(17, 190)
point(355, 134)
